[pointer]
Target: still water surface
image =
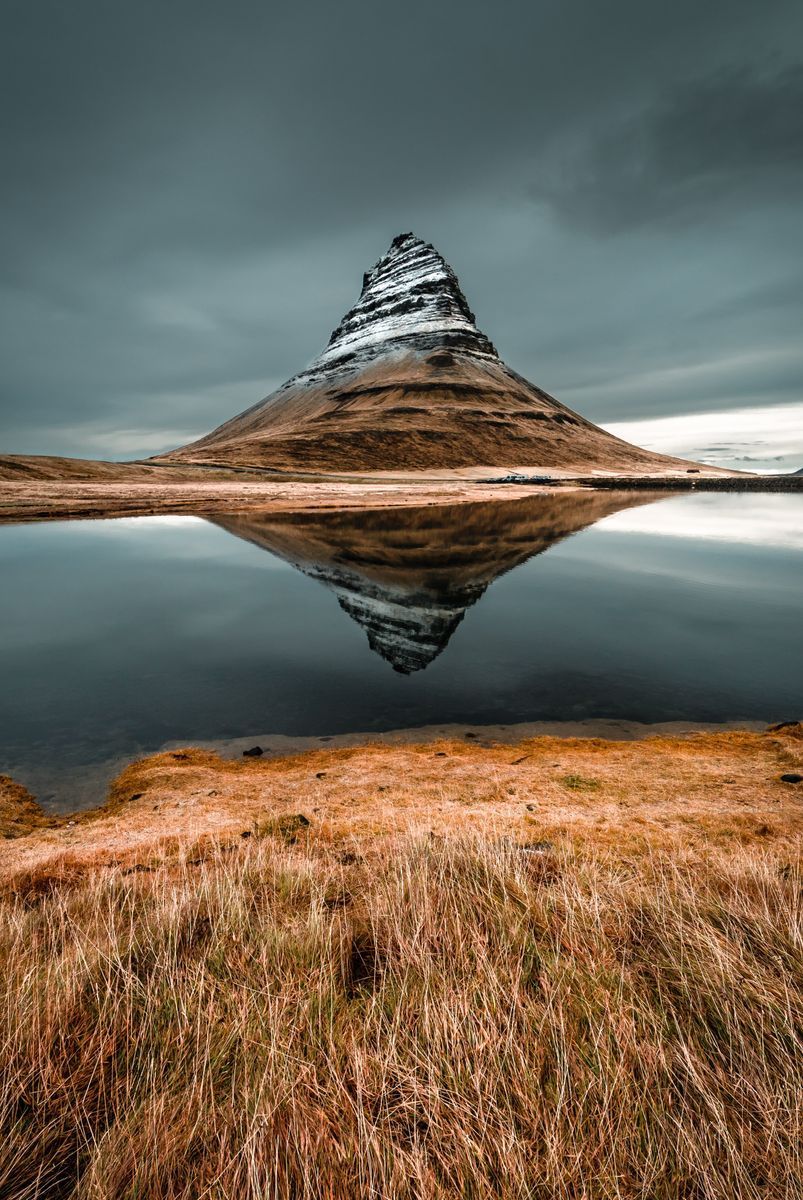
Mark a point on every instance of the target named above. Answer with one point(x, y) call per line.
point(119, 636)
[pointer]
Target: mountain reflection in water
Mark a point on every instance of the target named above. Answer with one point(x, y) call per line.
point(408, 575)
point(123, 636)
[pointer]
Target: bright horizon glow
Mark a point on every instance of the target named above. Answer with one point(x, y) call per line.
point(767, 439)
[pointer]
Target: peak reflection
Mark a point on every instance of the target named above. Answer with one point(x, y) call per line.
point(407, 575)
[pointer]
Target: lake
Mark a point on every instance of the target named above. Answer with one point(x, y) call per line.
point(119, 636)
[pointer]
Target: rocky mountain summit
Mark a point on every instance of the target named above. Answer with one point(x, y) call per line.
point(410, 299)
point(408, 382)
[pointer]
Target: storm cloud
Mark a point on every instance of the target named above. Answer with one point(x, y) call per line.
point(712, 146)
point(191, 193)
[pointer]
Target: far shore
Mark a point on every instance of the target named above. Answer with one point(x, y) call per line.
point(37, 488)
point(58, 500)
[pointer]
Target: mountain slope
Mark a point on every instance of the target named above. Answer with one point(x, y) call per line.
point(407, 381)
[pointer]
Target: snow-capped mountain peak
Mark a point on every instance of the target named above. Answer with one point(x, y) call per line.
point(411, 295)
point(408, 382)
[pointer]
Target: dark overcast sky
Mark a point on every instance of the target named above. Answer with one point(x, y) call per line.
point(192, 190)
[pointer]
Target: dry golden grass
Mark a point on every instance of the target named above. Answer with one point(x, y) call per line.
point(669, 790)
point(19, 812)
point(457, 1017)
point(563, 968)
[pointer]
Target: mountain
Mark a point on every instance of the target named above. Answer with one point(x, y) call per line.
point(409, 382)
point(407, 575)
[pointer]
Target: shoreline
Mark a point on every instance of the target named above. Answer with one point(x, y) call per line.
point(99, 775)
point(598, 779)
point(37, 499)
point(510, 733)
point(22, 813)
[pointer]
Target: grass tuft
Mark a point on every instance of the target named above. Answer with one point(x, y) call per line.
point(578, 783)
point(449, 1018)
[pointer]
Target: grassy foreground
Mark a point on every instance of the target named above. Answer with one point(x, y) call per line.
point(452, 1016)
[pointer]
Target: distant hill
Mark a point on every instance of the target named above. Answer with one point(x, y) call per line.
point(408, 381)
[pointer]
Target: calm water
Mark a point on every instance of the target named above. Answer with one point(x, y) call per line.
point(119, 636)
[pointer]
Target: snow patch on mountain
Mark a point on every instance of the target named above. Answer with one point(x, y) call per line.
point(410, 299)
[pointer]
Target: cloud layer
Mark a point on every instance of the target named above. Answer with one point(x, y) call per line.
point(191, 194)
point(767, 438)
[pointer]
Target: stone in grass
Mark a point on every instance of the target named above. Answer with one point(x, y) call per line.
point(792, 777)
point(254, 752)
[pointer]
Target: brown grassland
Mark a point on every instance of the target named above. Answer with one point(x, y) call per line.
point(564, 968)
